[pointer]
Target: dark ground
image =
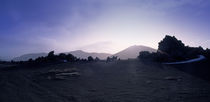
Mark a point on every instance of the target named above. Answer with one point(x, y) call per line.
point(122, 81)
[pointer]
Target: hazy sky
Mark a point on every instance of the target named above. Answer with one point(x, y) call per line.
point(29, 26)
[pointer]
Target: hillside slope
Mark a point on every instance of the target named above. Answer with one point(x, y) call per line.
point(133, 51)
point(26, 57)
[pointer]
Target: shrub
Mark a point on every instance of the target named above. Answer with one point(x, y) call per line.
point(97, 59)
point(90, 58)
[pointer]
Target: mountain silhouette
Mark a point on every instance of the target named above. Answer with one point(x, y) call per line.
point(78, 53)
point(26, 57)
point(85, 55)
point(130, 52)
point(133, 51)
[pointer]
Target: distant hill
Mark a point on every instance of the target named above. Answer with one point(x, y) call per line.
point(77, 53)
point(82, 54)
point(130, 52)
point(5, 58)
point(26, 57)
point(133, 51)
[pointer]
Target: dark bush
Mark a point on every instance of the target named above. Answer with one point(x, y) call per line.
point(110, 59)
point(90, 58)
point(71, 58)
point(171, 49)
point(51, 56)
point(62, 56)
point(97, 59)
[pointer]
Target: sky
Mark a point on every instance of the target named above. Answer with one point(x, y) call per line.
point(32, 26)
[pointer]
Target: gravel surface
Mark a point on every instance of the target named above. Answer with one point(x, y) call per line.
point(122, 81)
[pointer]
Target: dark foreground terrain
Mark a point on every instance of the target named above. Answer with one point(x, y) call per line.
point(122, 81)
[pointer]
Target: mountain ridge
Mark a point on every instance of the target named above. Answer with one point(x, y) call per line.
point(84, 54)
point(130, 52)
point(77, 53)
point(26, 57)
point(133, 51)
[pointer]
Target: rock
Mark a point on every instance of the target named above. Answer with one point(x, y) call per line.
point(61, 74)
point(59, 78)
point(72, 99)
point(49, 77)
point(149, 82)
point(63, 70)
point(92, 90)
point(172, 78)
point(68, 74)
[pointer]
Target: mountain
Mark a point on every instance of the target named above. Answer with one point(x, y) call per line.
point(82, 54)
point(130, 52)
point(77, 53)
point(26, 57)
point(133, 51)
point(5, 58)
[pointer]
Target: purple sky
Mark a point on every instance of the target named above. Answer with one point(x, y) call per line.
point(30, 26)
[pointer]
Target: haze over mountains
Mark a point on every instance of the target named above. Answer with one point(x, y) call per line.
point(130, 52)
